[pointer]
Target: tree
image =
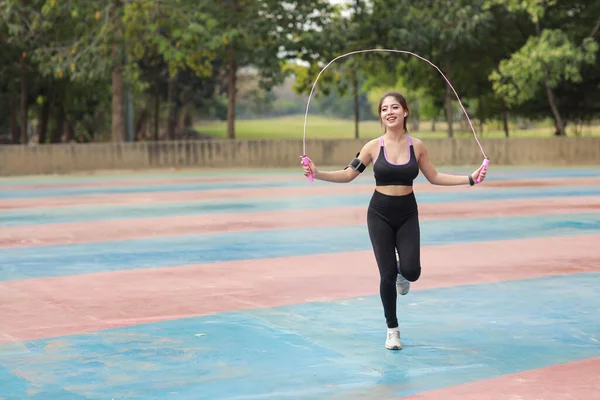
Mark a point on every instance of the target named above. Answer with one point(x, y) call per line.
point(85, 43)
point(446, 33)
point(80, 45)
point(263, 34)
point(175, 41)
point(554, 55)
point(22, 30)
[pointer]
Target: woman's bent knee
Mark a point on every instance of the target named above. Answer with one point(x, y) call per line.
point(412, 275)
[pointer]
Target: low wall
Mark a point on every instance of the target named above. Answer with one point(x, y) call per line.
point(64, 158)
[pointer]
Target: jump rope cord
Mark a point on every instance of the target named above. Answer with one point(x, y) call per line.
point(391, 51)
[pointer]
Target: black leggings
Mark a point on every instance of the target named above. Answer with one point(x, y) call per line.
point(393, 223)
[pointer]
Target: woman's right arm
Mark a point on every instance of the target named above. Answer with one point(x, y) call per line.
point(343, 175)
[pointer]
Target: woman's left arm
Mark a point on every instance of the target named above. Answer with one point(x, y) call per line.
point(437, 178)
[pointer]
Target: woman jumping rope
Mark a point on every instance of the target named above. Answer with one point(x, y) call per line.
point(392, 216)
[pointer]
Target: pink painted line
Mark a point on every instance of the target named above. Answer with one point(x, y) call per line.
point(530, 183)
point(49, 307)
point(574, 380)
point(268, 178)
point(99, 231)
point(183, 196)
point(308, 190)
point(141, 182)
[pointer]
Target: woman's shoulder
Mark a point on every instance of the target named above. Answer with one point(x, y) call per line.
point(369, 150)
point(416, 141)
point(372, 143)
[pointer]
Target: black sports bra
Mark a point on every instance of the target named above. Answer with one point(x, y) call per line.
point(387, 173)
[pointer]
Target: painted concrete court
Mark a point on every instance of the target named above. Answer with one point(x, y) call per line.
point(261, 285)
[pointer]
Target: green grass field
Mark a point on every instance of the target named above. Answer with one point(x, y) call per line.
point(318, 127)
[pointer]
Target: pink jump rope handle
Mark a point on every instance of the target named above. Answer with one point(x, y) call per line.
point(305, 161)
point(485, 164)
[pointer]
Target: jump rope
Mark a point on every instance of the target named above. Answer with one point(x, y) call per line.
point(306, 160)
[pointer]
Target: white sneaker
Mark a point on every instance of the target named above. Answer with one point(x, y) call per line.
point(393, 339)
point(402, 285)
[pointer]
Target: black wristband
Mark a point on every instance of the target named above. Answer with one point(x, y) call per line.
point(471, 181)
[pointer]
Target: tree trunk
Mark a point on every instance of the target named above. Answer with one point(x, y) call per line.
point(12, 115)
point(188, 119)
point(173, 122)
point(415, 124)
point(174, 107)
point(504, 112)
point(231, 85)
point(24, 103)
point(141, 123)
point(414, 118)
point(481, 112)
point(118, 104)
point(60, 123)
point(44, 117)
point(560, 126)
point(449, 111)
point(118, 113)
point(156, 115)
point(70, 131)
point(356, 103)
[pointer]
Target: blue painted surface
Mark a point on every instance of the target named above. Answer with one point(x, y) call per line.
point(119, 176)
point(45, 261)
point(321, 350)
point(231, 206)
point(49, 191)
point(309, 351)
point(158, 188)
point(496, 172)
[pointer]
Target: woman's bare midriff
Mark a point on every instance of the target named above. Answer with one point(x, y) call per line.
point(394, 190)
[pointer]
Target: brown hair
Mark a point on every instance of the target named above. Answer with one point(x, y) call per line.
point(400, 99)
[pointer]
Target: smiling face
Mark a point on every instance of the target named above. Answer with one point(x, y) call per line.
point(392, 108)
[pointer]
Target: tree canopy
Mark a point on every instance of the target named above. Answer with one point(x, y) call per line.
point(147, 69)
